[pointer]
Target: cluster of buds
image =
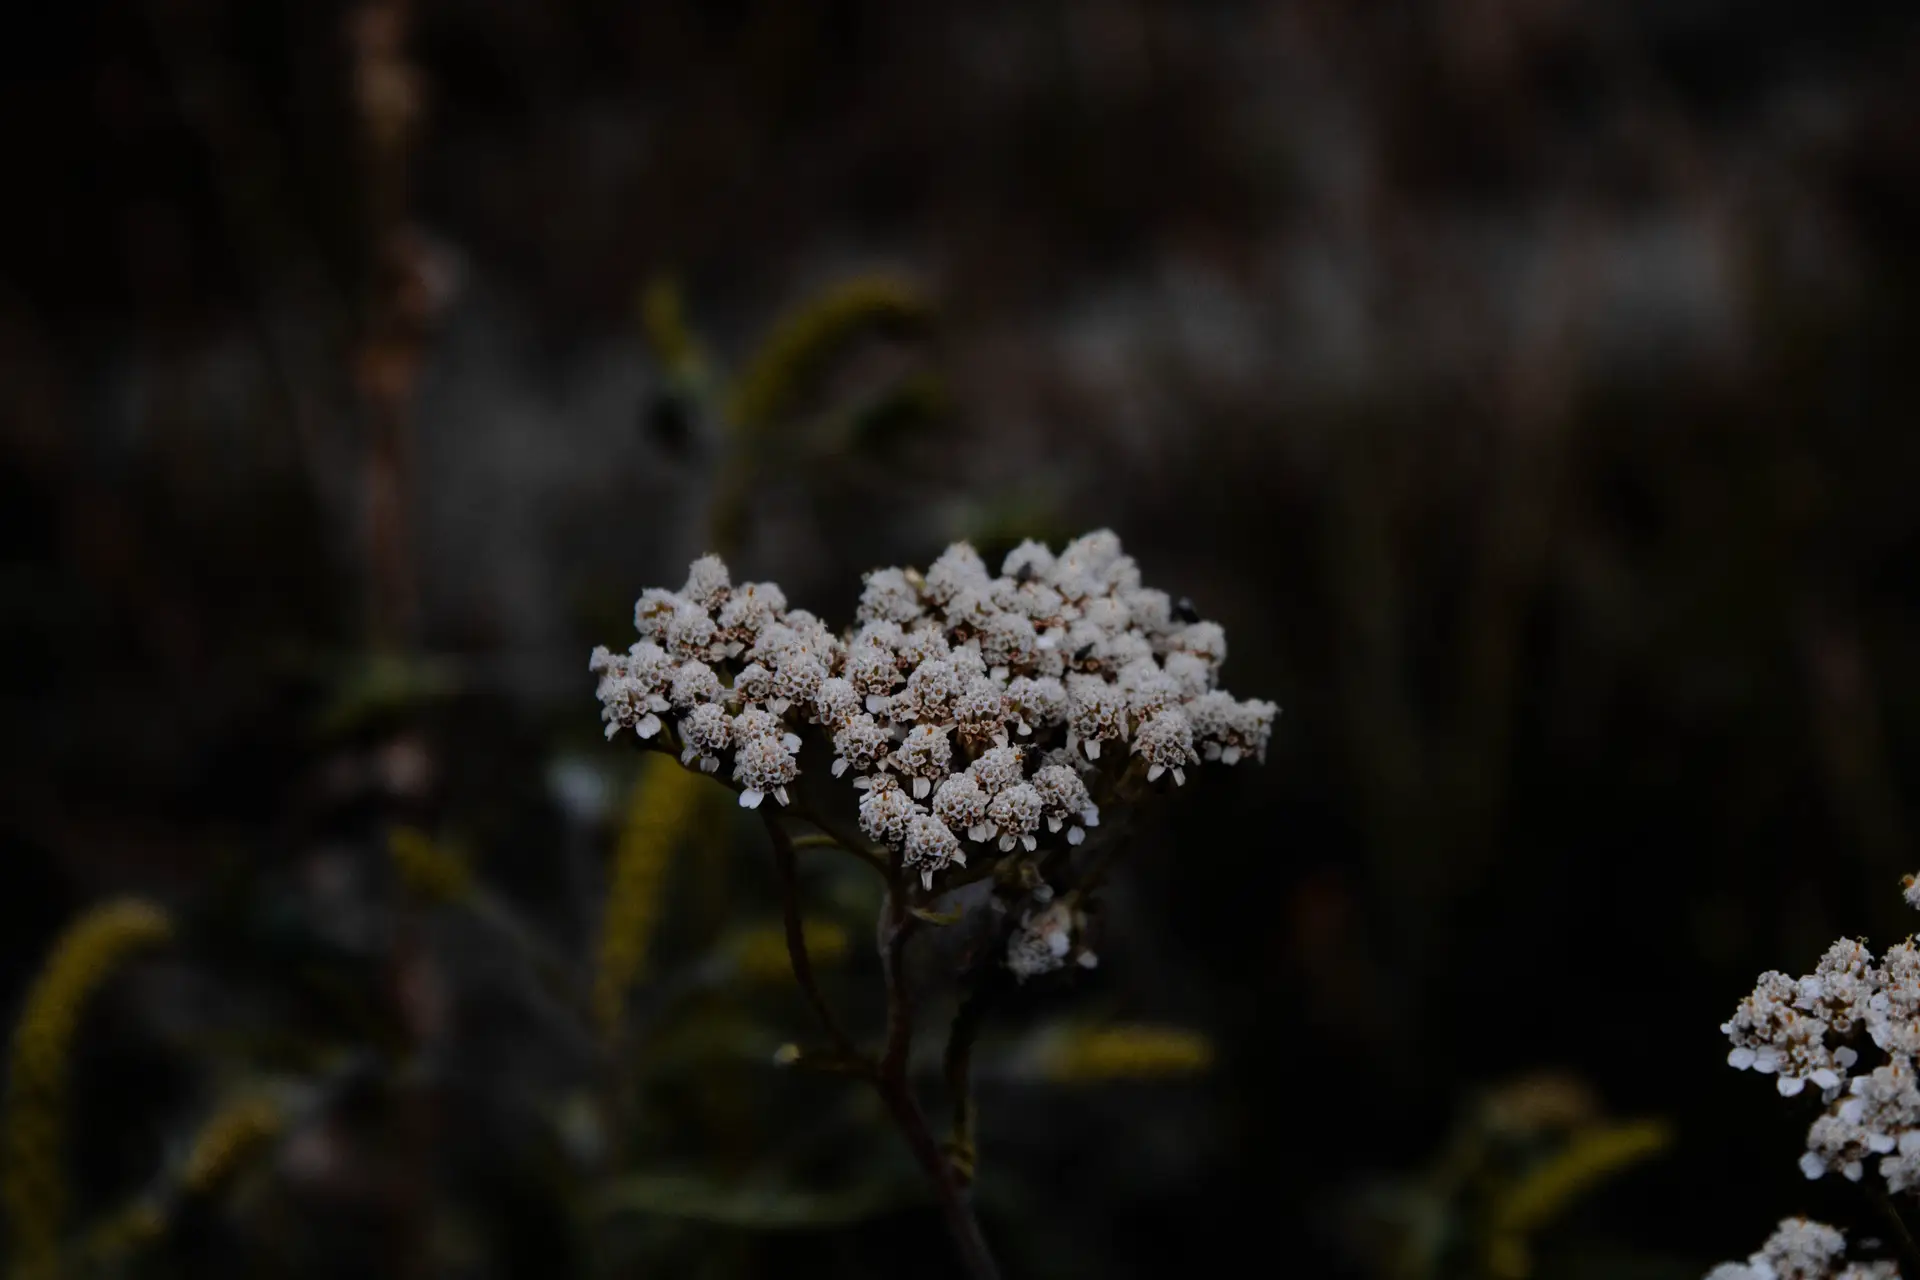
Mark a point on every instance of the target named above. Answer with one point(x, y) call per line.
point(1811, 1031)
point(979, 714)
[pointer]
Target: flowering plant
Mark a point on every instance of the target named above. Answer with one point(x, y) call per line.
point(1811, 1032)
point(992, 727)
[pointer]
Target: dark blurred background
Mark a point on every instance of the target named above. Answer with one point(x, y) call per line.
point(1527, 385)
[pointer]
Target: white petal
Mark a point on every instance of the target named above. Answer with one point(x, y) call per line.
point(750, 799)
point(981, 831)
point(710, 765)
point(1076, 836)
point(780, 794)
point(1790, 1086)
point(1090, 816)
point(1812, 1165)
point(926, 879)
point(839, 767)
point(960, 857)
point(876, 704)
point(1154, 772)
point(1059, 943)
point(1846, 1057)
point(1006, 843)
point(920, 788)
point(1093, 748)
point(1179, 777)
point(1825, 1079)
point(1053, 823)
point(1230, 755)
point(1741, 1058)
point(792, 743)
point(1852, 1170)
point(648, 726)
point(1088, 960)
point(1030, 842)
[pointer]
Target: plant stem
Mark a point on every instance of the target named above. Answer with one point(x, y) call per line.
point(889, 1075)
point(955, 1206)
point(959, 1069)
point(897, 926)
point(785, 863)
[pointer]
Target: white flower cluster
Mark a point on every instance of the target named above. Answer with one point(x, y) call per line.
point(1048, 937)
point(1812, 1030)
point(971, 708)
point(1801, 1249)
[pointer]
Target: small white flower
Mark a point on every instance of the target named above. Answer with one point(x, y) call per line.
point(885, 812)
point(1066, 800)
point(959, 568)
point(654, 611)
point(1015, 815)
point(763, 765)
point(752, 685)
point(1204, 640)
point(921, 645)
point(1096, 713)
point(1192, 673)
point(796, 677)
point(1028, 561)
point(962, 805)
point(924, 757)
point(835, 703)
point(930, 846)
point(1037, 703)
point(1149, 610)
point(1042, 942)
point(1008, 642)
point(707, 732)
point(694, 683)
point(998, 769)
point(929, 694)
point(981, 712)
point(890, 597)
point(872, 672)
point(860, 745)
point(690, 633)
point(707, 582)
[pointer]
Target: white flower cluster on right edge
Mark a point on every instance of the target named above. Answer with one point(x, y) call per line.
point(1802, 1249)
point(1812, 1033)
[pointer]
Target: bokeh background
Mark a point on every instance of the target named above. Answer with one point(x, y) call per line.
point(1528, 386)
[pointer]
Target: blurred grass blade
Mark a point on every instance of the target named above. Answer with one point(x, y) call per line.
point(807, 339)
point(746, 1207)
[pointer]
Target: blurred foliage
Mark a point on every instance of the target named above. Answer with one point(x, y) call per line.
point(661, 804)
point(1528, 1152)
point(33, 1128)
point(1084, 1055)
